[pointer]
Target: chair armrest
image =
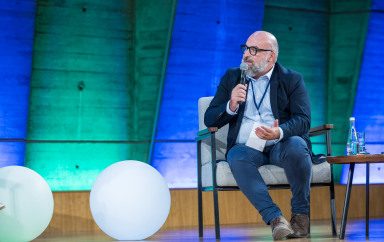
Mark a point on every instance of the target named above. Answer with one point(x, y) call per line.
point(205, 133)
point(323, 129)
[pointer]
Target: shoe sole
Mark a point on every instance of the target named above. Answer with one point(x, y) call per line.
point(282, 233)
point(295, 236)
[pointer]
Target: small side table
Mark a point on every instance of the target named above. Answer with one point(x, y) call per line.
point(352, 160)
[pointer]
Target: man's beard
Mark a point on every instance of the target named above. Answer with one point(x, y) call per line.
point(256, 69)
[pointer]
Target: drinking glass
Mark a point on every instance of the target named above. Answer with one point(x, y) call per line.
point(361, 149)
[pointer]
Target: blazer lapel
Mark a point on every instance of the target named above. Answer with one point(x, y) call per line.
point(273, 94)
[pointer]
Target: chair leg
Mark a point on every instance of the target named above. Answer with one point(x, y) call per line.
point(199, 191)
point(309, 216)
point(216, 213)
point(333, 209)
point(200, 211)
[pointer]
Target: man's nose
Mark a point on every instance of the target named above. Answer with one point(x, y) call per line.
point(246, 55)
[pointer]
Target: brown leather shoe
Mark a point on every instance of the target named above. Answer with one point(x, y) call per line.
point(280, 228)
point(300, 226)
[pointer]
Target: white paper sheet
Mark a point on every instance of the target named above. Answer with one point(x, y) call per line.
point(254, 141)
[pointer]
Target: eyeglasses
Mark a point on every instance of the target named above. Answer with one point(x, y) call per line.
point(252, 49)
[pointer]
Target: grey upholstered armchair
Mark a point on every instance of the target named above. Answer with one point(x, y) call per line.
point(214, 174)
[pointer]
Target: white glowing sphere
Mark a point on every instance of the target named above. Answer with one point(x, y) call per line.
point(130, 200)
point(28, 204)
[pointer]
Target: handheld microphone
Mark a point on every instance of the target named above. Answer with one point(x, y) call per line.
point(243, 68)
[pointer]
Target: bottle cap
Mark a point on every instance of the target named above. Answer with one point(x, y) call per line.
point(351, 118)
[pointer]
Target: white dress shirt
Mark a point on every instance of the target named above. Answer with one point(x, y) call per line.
point(251, 115)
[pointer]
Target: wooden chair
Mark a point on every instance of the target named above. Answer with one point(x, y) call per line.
point(214, 174)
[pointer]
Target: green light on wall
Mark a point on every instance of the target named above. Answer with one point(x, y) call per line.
point(88, 105)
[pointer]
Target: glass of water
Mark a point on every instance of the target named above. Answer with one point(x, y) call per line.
point(361, 149)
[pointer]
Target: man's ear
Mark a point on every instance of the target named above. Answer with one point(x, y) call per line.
point(272, 57)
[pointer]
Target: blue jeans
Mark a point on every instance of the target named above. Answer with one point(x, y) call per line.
point(291, 154)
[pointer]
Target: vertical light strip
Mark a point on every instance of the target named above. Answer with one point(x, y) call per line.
point(161, 85)
point(17, 21)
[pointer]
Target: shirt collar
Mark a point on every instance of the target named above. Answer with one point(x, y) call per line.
point(267, 75)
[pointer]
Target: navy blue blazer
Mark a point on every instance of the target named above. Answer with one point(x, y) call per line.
point(289, 101)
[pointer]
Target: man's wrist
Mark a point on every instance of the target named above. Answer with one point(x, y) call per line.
point(233, 107)
point(229, 111)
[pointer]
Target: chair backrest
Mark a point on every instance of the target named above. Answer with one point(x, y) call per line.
point(221, 135)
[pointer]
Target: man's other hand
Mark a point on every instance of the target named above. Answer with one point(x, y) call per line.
point(269, 133)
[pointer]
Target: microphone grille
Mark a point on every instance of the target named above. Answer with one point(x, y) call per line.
point(243, 66)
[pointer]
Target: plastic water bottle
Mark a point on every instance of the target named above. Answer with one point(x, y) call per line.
point(352, 142)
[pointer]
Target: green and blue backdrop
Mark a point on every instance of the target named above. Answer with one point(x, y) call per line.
point(88, 83)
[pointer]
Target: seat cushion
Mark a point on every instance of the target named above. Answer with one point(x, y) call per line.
point(272, 175)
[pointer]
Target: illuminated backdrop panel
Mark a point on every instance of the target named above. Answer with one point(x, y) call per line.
point(103, 88)
point(205, 42)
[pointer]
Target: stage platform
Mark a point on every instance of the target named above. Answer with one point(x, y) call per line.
point(72, 219)
point(321, 231)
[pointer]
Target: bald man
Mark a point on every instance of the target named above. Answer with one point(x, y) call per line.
point(269, 119)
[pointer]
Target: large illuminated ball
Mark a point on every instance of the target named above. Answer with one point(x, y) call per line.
point(28, 204)
point(130, 200)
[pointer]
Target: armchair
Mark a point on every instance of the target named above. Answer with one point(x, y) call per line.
point(214, 174)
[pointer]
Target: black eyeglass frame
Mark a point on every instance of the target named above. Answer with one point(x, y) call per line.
point(252, 49)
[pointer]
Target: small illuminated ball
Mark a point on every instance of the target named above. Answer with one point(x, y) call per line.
point(130, 200)
point(28, 204)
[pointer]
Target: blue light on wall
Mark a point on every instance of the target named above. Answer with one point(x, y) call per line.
point(16, 44)
point(205, 42)
point(369, 102)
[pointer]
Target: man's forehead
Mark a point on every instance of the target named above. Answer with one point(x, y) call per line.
point(256, 40)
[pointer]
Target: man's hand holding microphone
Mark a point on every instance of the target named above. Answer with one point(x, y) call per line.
point(239, 93)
